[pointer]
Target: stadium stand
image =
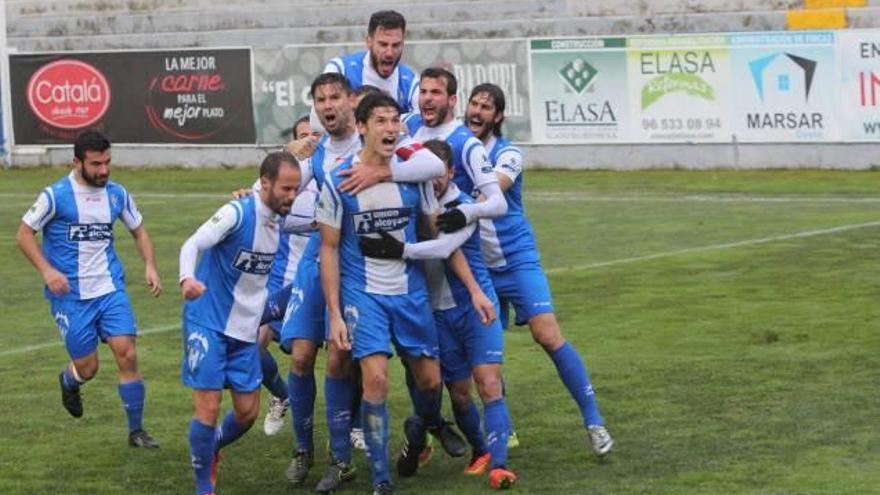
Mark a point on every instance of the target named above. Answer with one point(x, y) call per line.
point(37, 25)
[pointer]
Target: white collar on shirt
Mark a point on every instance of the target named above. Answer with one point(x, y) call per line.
point(83, 188)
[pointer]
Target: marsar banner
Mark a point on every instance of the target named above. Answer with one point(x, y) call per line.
point(187, 96)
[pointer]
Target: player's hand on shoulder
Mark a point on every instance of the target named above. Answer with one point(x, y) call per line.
point(56, 282)
point(485, 308)
point(359, 177)
point(151, 276)
point(451, 220)
point(242, 193)
point(192, 288)
point(302, 148)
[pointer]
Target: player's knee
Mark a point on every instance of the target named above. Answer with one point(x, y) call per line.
point(338, 365)
point(88, 370)
point(489, 387)
point(247, 415)
point(546, 332)
point(375, 385)
point(302, 362)
point(460, 395)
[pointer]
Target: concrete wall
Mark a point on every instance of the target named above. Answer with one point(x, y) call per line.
point(51, 25)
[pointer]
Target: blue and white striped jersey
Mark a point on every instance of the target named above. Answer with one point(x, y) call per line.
point(388, 206)
point(447, 290)
point(235, 269)
point(77, 224)
point(292, 241)
point(508, 240)
point(402, 84)
point(472, 167)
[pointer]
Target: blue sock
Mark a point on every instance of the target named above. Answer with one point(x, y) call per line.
point(425, 405)
point(504, 394)
point(338, 393)
point(229, 431)
point(375, 419)
point(68, 381)
point(201, 447)
point(573, 373)
point(302, 406)
point(468, 421)
point(497, 419)
point(271, 378)
point(132, 395)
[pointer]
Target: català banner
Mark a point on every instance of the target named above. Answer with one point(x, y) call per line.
point(859, 88)
point(786, 86)
point(579, 90)
point(175, 96)
point(282, 78)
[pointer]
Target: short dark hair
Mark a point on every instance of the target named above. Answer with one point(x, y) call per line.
point(371, 101)
point(272, 163)
point(441, 149)
point(302, 120)
point(386, 19)
point(330, 78)
point(90, 141)
point(440, 72)
point(366, 89)
point(497, 96)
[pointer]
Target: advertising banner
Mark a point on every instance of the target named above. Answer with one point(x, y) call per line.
point(282, 78)
point(679, 88)
point(171, 96)
point(785, 88)
point(579, 90)
point(859, 87)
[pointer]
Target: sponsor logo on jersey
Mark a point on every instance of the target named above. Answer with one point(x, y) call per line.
point(253, 262)
point(385, 219)
point(69, 94)
point(196, 350)
point(89, 232)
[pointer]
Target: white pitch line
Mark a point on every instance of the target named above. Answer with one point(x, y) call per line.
point(588, 266)
point(57, 343)
point(714, 247)
point(551, 196)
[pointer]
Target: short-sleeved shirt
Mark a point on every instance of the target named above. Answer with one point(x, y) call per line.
point(472, 167)
point(508, 240)
point(393, 207)
point(402, 84)
point(77, 225)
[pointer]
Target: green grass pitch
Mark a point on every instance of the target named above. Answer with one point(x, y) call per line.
point(730, 321)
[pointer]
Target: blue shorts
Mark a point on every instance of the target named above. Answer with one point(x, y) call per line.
point(525, 287)
point(465, 342)
point(214, 361)
point(304, 316)
point(273, 311)
point(82, 322)
point(376, 321)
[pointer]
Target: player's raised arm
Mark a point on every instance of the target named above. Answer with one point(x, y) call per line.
point(226, 220)
point(413, 164)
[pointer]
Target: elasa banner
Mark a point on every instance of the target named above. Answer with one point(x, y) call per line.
point(171, 96)
point(859, 87)
point(282, 78)
point(786, 86)
point(679, 88)
point(579, 90)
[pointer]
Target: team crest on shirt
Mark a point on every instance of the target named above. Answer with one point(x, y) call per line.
point(253, 262)
point(296, 299)
point(196, 350)
point(89, 232)
point(351, 317)
point(63, 323)
point(385, 219)
point(114, 200)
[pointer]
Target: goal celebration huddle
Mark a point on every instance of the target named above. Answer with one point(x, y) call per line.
point(386, 228)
